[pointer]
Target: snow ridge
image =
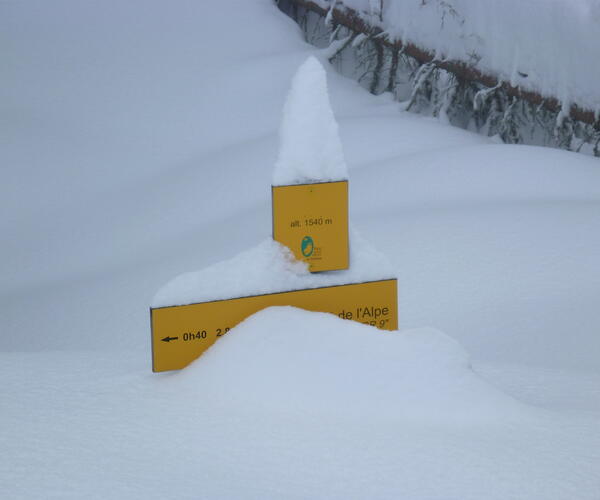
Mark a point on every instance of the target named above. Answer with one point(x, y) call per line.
point(270, 267)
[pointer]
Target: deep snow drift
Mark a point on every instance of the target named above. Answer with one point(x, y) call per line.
point(290, 361)
point(290, 404)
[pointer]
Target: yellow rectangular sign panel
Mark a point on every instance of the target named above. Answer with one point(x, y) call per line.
point(182, 333)
point(312, 221)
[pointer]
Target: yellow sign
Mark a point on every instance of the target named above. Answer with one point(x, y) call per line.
point(312, 221)
point(182, 333)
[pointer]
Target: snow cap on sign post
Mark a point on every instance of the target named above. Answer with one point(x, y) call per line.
point(310, 147)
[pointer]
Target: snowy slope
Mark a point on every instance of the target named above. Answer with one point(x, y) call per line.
point(128, 137)
point(139, 143)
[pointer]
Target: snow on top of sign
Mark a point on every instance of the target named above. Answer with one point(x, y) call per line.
point(310, 147)
point(270, 268)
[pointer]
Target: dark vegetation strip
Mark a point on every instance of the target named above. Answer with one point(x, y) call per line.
point(353, 21)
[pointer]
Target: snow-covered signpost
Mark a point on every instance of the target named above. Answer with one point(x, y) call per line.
point(310, 233)
point(310, 181)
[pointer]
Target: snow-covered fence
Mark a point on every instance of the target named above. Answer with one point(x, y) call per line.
point(373, 44)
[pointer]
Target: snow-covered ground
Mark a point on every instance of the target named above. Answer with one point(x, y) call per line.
point(138, 142)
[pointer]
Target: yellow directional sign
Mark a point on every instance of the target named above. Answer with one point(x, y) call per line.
point(182, 333)
point(312, 221)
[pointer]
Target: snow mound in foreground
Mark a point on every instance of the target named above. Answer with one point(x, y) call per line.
point(310, 146)
point(288, 360)
point(270, 268)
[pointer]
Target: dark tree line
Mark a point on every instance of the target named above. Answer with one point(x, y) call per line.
point(453, 90)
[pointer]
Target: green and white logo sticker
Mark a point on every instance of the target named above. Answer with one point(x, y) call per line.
point(307, 246)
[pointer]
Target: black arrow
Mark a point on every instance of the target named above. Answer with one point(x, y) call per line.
point(168, 339)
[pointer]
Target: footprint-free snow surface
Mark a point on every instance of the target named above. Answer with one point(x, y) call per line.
point(138, 143)
point(290, 404)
